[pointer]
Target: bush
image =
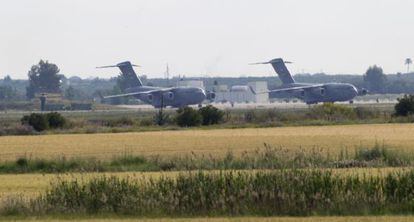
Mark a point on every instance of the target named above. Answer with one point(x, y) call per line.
point(39, 122)
point(211, 115)
point(22, 162)
point(405, 106)
point(56, 120)
point(188, 116)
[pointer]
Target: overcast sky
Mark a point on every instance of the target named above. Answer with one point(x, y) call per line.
point(205, 37)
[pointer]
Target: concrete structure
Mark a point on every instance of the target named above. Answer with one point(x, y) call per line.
point(190, 83)
point(242, 93)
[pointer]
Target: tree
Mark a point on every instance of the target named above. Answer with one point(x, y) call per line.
point(7, 79)
point(405, 106)
point(122, 82)
point(117, 100)
point(70, 93)
point(44, 78)
point(7, 92)
point(188, 116)
point(375, 79)
point(408, 62)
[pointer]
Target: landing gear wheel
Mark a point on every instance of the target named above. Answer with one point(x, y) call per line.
point(351, 101)
point(200, 105)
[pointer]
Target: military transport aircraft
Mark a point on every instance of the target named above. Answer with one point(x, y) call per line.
point(157, 96)
point(308, 92)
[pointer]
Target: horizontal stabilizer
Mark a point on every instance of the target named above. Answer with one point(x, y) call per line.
point(128, 73)
point(281, 70)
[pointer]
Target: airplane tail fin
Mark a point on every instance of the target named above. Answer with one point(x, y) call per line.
point(128, 72)
point(280, 67)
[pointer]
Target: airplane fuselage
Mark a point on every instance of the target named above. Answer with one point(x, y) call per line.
point(329, 92)
point(175, 97)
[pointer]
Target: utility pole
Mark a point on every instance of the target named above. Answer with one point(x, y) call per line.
point(167, 75)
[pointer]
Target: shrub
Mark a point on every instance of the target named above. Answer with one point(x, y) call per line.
point(17, 130)
point(269, 193)
point(211, 115)
point(161, 118)
point(330, 111)
point(250, 116)
point(365, 113)
point(376, 153)
point(146, 122)
point(188, 116)
point(56, 120)
point(39, 122)
point(405, 106)
point(122, 121)
point(22, 162)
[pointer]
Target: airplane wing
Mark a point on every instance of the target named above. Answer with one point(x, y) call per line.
point(287, 89)
point(137, 93)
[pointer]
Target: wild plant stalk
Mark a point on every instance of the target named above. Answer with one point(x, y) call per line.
point(268, 193)
point(267, 158)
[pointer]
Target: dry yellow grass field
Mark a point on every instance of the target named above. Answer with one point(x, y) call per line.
point(245, 219)
point(331, 138)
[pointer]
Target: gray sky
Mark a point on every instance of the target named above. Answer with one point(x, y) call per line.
point(205, 37)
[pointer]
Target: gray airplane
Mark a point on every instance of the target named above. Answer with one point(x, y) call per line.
point(308, 92)
point(157, 96)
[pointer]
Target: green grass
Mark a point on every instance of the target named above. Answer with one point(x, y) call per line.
point(266, 158)
point(257, 193)
point(117, 121)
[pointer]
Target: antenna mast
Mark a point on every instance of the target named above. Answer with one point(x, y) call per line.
point(167, 74)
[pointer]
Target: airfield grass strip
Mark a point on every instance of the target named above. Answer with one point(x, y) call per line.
point(260, 193)
point(266, 158)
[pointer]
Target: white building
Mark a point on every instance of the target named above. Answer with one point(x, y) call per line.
point(242, 93)
point(191, 83)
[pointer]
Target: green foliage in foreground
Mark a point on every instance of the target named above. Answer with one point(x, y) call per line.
point(209, 117)
point(41, 122)
point(187, 117)
point(405, 106)
point(266, 158)
point(284, 192)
